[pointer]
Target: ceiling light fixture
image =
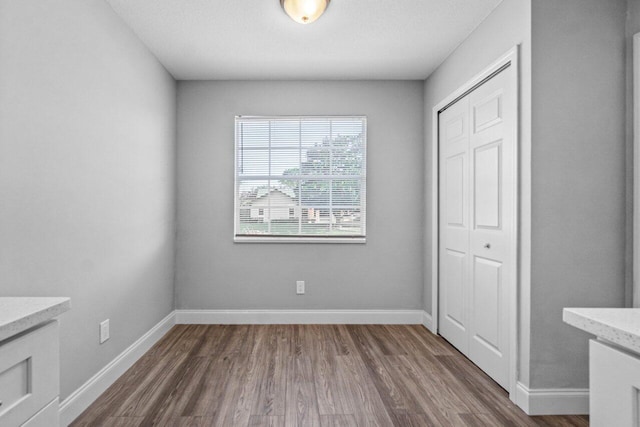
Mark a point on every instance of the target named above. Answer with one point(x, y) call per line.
point(304, 11)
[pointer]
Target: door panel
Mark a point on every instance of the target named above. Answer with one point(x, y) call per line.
point(455, 275)
point(455, 181)
point(486, 293)
point(488, 174)
point(476, 190)
point(454, 227)
point(487, 112)
point(455, 128)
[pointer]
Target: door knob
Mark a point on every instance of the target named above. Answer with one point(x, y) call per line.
point(487, 246)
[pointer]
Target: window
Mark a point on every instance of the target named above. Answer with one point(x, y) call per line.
point(300, 179)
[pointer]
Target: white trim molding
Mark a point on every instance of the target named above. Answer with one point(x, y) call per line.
point(636, 172)
point(427, 321)
point(552, 401)
point(86, 394)
point(283, 317)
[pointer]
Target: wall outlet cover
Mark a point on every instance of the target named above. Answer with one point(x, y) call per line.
point(104, 331)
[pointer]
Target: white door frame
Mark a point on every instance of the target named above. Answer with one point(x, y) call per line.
point(508, 59)
point(636, 172)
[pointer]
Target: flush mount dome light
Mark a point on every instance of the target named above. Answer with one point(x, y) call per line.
point(304, 11)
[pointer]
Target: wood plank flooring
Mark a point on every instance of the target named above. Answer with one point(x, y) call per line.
point(307, 375)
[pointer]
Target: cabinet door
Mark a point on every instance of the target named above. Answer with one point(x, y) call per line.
point(614, 386)
point(29, 373)
point(47, 417)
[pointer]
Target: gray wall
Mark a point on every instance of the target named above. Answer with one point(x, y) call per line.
point(507, 26)
point(215, 273)
point(578, 187)
point(87, 130)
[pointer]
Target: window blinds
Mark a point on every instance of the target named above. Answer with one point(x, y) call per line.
point(300, 177)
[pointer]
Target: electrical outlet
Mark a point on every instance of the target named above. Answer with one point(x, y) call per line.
point(104, 331)
point(300, 287)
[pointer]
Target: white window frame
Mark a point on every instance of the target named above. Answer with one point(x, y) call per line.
point(293, 238)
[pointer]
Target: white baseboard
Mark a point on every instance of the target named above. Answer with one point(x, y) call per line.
point(258, 317)
point(426, 321)
point(79, 400)
point(560, 401)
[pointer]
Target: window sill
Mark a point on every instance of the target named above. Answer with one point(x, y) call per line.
point(243, 239)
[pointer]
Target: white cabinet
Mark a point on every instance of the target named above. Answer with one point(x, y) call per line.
point(30, 377)
point(47, 417)
point(614, 386)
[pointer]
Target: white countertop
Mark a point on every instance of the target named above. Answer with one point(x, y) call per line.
point(18, 314)
point(618, 325)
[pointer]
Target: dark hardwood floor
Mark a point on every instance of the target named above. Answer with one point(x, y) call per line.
point(307, 375)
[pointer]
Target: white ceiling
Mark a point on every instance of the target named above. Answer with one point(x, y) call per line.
point(254, 39)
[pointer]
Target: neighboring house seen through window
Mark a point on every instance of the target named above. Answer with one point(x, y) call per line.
point(300, 178)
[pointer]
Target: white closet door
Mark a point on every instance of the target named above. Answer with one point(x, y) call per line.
point(454, 224)
point(476, 219)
